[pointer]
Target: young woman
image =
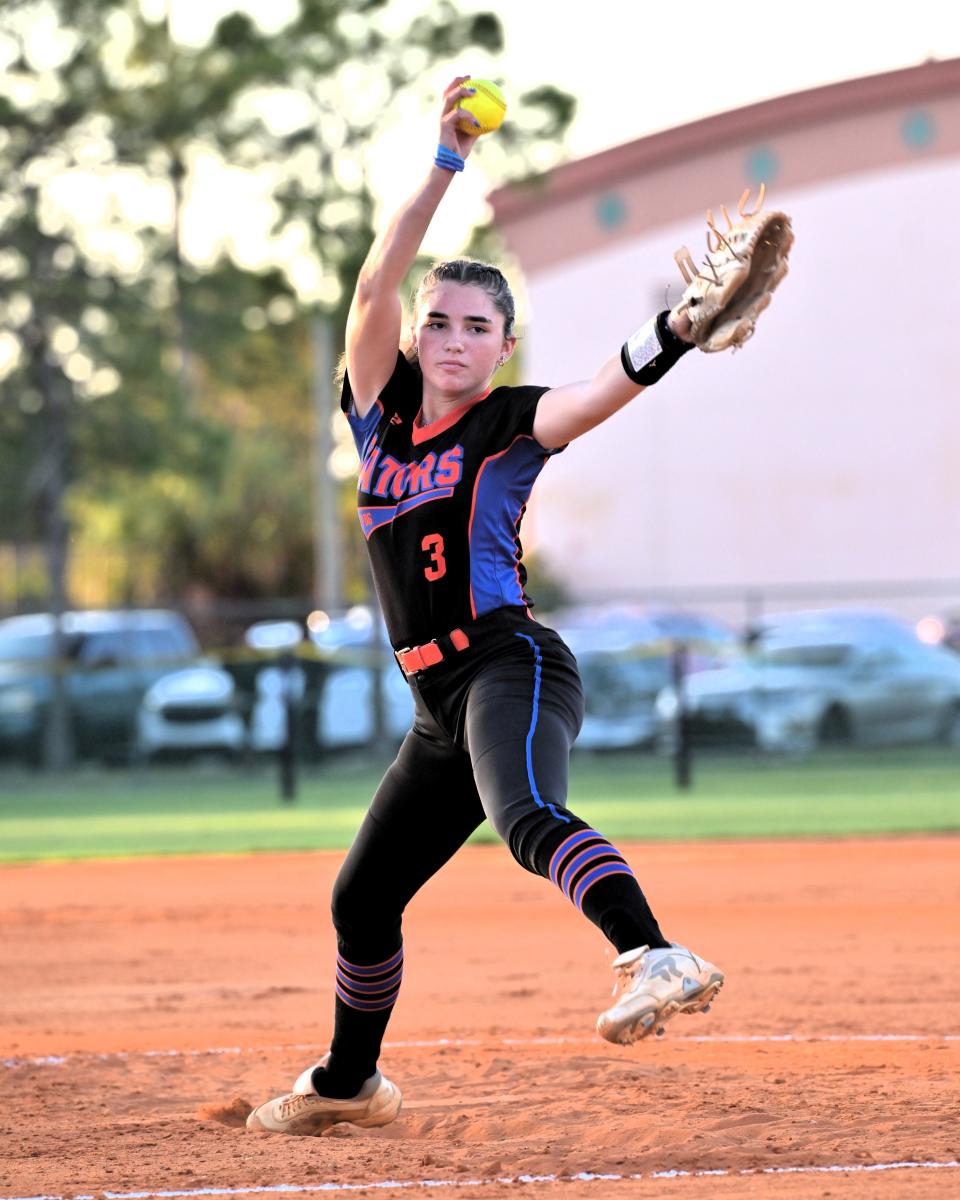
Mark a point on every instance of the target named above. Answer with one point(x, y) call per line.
point(447, 466)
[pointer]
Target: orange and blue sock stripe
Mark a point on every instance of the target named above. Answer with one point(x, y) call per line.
point(370, 988)
point(582, 860)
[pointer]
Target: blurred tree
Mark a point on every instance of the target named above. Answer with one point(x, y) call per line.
point(154, 383)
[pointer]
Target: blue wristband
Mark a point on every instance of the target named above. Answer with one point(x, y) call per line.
point(448, 159)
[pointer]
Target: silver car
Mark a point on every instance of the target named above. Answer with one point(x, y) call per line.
point(625, 655)
point(193, 711)
point(801, 687)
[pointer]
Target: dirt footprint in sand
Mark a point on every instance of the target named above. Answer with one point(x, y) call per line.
point(235, 1112)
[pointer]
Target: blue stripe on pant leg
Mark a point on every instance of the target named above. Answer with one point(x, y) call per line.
point(533, 725)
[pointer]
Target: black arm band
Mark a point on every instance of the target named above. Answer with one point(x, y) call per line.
point(650, 353)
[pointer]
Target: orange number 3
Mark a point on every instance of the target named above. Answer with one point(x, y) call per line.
point(433, 544)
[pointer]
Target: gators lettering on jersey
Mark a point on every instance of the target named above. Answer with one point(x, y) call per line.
point(441, 506)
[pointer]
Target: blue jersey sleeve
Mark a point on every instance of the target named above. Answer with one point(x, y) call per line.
point(401, 397)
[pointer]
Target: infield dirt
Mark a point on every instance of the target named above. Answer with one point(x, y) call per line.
point(148, 1004)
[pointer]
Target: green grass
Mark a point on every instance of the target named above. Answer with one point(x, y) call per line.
point(92, 814)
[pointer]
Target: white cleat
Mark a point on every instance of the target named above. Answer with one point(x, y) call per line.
point(303, 1113)
point(657, 984)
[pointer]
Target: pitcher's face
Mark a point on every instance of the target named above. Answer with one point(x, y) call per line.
point(459, 336)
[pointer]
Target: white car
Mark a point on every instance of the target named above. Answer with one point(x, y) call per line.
point(346, 716)
point(357, 650)
point(802, 688)
point(193, 711)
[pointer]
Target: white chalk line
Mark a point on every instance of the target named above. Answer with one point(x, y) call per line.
point(57, 1060)
point(287, 1189)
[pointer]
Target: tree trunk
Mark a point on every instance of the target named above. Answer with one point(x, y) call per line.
point(327, 567)
point(188, 367)
point(58, 748)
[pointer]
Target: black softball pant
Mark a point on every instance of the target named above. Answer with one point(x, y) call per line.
point(491, 739)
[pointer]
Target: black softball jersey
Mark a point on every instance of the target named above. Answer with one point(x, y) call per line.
point(440, 505)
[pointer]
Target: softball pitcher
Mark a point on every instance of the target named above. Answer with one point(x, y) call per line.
point(447, 464)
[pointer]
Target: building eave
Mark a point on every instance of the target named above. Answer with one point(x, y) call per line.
point(782, 114)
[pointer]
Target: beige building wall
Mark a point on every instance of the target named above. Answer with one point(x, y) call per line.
point(828, 449)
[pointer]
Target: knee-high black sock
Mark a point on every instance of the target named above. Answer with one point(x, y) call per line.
point(591, 873)
point(366, 994)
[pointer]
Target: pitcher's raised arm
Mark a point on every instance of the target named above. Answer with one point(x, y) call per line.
point(373, 324)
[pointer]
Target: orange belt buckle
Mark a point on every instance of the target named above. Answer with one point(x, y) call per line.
point(419, 658)
point(429, 654)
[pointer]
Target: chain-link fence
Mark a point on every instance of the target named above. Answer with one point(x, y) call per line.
point(766, 670)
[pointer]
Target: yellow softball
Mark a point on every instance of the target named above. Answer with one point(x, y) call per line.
point(488, 106)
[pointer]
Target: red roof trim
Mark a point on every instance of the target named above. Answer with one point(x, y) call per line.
point(852, 96)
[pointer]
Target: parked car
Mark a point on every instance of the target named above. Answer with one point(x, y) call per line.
point(702, 634)
point(857, 622)
point(333, 669)
point(625, 655)
point(111, 658)
point(806, 683)
point(189, 712)
point(361, 662)
point(275, 667)
point(347, 715)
